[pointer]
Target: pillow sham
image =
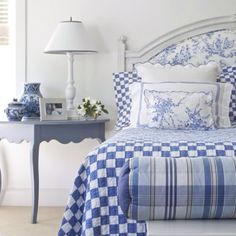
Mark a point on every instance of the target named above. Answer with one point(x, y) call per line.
point(221, 95)
point(228, 75)
point(179, 73)
point(179, 110)
point(122, 82)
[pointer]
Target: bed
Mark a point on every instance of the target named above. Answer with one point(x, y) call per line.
point(93, 207)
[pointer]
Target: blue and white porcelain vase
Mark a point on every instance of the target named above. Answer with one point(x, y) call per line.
point(15, 110)
point(30, 98)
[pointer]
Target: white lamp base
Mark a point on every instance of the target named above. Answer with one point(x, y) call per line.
point(72, 113)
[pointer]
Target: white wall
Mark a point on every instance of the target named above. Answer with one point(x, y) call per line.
point(140, 20)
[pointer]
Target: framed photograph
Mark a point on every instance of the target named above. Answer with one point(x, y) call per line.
point(52, 109)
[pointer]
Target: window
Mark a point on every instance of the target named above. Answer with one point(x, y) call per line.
point(4, 22)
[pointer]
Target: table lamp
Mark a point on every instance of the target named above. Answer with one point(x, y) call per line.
point(70, 38)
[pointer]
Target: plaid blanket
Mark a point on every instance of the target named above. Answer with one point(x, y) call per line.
point(178, 188)
point(93, 208)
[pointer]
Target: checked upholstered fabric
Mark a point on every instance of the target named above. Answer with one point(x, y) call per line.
point(228, 75)
point(122, 81)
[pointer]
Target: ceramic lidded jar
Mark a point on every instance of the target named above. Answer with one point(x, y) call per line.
point(30, 98)
point(15, 110)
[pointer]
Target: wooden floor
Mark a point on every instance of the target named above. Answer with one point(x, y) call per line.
point(15, 221)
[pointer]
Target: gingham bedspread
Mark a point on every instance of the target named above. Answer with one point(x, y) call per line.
point(93, 208)
point(156, 188)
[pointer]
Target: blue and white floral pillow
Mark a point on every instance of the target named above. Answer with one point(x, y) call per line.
point(180, 110)
point(221, 93)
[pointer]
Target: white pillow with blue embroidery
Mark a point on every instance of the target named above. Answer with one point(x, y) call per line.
point(221, 93)
point(179, 110)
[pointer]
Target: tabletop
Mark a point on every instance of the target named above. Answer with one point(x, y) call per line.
point(55, 122)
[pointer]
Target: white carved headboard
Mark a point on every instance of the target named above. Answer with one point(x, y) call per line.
point(197, 43)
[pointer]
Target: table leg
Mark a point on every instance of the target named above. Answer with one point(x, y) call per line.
point(34, 159)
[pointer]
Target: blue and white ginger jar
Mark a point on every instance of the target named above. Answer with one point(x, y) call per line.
point(15, 110)
point(31, 98)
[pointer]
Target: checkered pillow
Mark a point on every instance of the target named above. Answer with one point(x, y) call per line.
point(122, 81)
point(229, 75)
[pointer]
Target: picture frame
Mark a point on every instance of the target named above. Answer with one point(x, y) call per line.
point(52, 109)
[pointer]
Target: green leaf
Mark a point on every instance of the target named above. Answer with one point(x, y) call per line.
point(105, 111)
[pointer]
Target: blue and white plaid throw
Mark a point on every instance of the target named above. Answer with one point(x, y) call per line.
point(93, 208)
point(154, 188)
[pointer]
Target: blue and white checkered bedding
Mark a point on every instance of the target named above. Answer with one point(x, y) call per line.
point(92, 207)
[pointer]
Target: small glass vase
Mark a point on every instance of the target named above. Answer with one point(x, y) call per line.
point(30, 98)
point(91, 117)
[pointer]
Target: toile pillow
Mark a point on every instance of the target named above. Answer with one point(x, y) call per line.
point(228, 75)
point(122, 82)
point(179, 110)
point(221, 95)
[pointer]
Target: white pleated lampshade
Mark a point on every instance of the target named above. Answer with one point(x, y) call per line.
point(70, 36)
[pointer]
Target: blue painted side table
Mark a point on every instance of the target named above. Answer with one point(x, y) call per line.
point(36, 132)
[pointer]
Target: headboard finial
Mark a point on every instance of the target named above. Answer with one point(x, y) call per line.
point(121, 53)
point(123, 39)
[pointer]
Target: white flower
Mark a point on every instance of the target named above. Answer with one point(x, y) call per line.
point(91, 107)
point(93, 102)
point(82, 111)
point(98, 108)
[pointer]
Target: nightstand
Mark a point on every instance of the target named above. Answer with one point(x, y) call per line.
point(36, 132)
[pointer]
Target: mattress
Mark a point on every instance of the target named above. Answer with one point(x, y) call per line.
point(93, 208)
